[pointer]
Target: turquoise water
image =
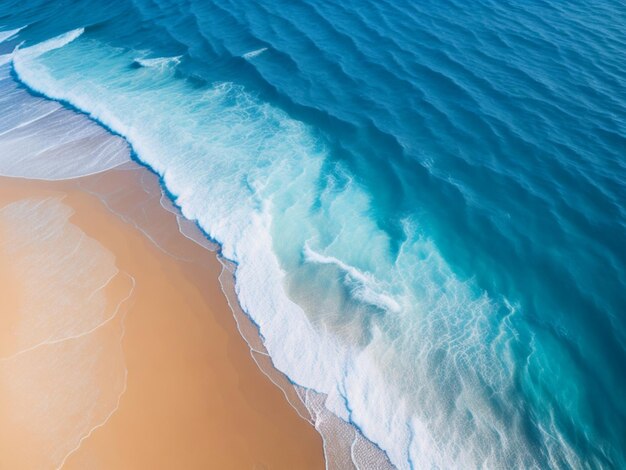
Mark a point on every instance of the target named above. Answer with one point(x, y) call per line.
point(425, 200)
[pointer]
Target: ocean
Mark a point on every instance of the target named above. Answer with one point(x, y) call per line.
point(425, 201)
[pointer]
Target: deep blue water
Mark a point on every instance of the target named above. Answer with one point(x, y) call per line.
point(426, 200)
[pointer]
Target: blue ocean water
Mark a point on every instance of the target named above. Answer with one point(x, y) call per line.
point(425, 200)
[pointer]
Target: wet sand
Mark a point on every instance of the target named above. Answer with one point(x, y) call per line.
point(156, 373)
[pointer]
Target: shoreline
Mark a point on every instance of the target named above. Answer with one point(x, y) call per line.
point(272, 434)
point(343, 444)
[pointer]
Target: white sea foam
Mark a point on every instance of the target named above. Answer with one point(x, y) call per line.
point(363, 285)
point(9, 34)
point(159, 62)
point(51, 44)
point(5, 59)
point(253, 54)
point(5, 36)
point(396, 345)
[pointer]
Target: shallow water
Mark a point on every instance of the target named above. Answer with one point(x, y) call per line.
point(425, 202)
point(62, 367)
point(40, 139)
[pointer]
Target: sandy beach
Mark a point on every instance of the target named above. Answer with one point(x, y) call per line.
point(117, 345)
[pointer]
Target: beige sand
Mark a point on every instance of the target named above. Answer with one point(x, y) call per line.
point(177, 387)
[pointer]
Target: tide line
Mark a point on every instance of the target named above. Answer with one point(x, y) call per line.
point(80, 335)
point(119, 397)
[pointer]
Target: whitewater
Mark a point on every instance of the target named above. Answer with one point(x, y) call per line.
point(353, 299)
point(349, 345)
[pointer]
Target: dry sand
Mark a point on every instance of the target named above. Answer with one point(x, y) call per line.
point(143, 365)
